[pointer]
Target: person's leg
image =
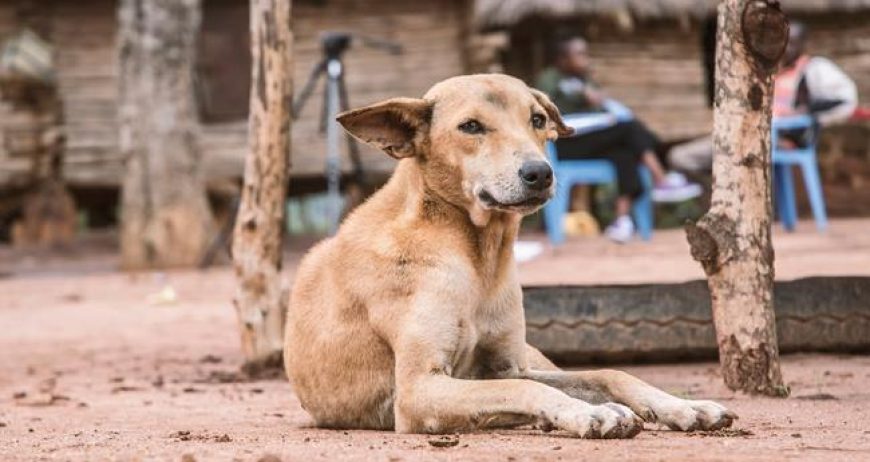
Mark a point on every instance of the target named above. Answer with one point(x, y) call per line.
point(596, 144)
point(630, 186)
point(693, 156)
point(669, 187)
point(655, 167)
point(626, 163)
point(613, 144)
point(797, 138)
point(623, 205)
point(642, 140)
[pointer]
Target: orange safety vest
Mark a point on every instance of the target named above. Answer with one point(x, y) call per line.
point(785, 87)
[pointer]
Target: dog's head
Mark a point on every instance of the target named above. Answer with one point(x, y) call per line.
point(478, 140)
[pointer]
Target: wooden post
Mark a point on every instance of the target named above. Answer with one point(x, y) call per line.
point(732, 241)
point(165, 217)
point(48, 211)
point(261, 299)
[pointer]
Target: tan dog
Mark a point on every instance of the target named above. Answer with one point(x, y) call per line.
point(411, 317)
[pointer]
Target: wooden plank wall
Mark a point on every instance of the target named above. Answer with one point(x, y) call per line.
point(84, 33)
point(8, 166)
point(845, 39)
point(431, 32)
point(15, 168)
point(658, 72)
point(656, 68)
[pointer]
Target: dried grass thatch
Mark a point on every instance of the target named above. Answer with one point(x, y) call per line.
point(492, 14)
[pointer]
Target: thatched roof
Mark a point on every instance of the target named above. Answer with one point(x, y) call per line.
point(504, 13)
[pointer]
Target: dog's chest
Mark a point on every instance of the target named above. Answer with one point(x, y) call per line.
point(486, 333)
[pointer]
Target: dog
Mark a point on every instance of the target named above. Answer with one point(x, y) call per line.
point(411, 317)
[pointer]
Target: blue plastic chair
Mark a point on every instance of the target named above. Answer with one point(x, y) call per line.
point(783, 160)
point(590, 171)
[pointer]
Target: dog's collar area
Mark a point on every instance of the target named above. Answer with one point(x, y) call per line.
point(488, 200)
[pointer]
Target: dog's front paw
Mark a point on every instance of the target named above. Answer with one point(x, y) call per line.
point(609, 420)
point(690, 415)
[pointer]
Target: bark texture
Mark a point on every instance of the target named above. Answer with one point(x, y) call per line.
point(261, 299)
point(733, 240)
point(165, 216)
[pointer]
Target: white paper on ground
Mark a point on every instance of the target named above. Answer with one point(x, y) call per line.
point(527, 250)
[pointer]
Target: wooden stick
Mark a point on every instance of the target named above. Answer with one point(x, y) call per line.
point(261, 299)
point(732, 241)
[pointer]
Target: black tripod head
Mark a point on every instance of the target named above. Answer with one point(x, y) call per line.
point(334, 44)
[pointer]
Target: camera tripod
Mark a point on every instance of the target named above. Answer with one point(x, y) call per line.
point(333, 45)
point(335, 99)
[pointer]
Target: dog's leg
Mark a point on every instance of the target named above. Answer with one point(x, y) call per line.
point(437, 403)
point(429, 400)
point(652, 404)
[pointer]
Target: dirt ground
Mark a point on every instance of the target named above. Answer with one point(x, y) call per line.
point(117, 367)
point(99, 365)
point(844, 249)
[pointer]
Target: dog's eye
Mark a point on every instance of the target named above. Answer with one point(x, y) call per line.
point(472, 127)
point(539, 121)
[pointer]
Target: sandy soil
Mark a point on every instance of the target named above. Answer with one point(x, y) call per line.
point(843, 250)
point(107, 367)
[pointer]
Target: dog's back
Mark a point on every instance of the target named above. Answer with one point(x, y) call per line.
point(353, 292)
point(341, 367)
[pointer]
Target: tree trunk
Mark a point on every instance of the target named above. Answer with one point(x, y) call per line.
point(165, 216)
point(732, 241)
point(260, 300)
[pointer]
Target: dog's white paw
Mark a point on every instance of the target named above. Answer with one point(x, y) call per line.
point(690, 415)
point(608, 420)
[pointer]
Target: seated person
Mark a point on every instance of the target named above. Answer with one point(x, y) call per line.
point(803, 85)
point(626, 143)
point(810, 85)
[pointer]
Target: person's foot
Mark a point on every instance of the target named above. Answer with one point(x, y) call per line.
point(675, 188)
point(787, 144)
point(621, 230)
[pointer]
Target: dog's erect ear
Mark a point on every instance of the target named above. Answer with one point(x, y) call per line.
point(393, 125)
point(553, 114)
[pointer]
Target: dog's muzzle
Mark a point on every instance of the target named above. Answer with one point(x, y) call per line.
point(530, 202)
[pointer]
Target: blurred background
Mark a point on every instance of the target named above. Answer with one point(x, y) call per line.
point(653, 56)
point(152, 355)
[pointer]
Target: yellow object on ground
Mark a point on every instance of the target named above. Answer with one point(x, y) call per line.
point(580, 224)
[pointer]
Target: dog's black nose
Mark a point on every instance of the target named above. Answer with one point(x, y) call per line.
point(536, 175)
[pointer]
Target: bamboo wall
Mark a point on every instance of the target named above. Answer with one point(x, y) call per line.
point(431, 32)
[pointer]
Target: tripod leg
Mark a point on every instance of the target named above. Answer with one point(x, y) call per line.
point(308, 88)
point(224, 236)
point(325, 108)
point(352, 147)
point(333, 149)
point(357, 189)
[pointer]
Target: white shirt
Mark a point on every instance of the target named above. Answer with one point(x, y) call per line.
point(825, 81)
